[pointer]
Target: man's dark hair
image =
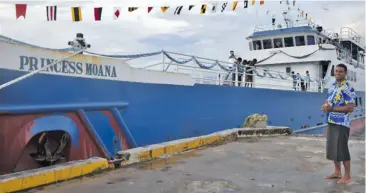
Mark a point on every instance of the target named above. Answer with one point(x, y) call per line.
point(343, 66)
point(239, 59)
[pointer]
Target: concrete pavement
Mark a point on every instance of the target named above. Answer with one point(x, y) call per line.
point(272, 164)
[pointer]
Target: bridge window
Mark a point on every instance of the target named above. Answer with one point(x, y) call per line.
point(257, 45)
point(300, 40)
point(289, 41)
point(311, 40)
point(277, 43)
point(267, 44)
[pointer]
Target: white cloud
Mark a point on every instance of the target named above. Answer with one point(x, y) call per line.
point(212, 35)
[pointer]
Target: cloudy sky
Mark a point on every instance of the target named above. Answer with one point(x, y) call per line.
point(211, 35)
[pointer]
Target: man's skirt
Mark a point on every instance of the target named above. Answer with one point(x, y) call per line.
point(337, 143)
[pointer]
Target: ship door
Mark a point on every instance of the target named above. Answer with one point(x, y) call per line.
point(323, 68)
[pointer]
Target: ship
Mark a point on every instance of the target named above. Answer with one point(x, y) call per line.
point(60, 105)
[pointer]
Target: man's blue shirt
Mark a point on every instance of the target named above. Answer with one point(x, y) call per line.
point(340, 95)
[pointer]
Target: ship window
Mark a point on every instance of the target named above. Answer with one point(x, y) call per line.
point(288, 70)
point(277, 43)
point(257, 45)
point(356, 102)
point(289, 41)
point(311, 40)
point(267, 44)
point(300, 40)
point(360, 100)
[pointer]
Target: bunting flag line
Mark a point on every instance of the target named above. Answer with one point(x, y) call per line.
point(203, 9)
point(149, 9)
point(97, 13)
point(51, 13)
point(21, 10)
point(164, 9)
point(131, 9)
point(76, 14)
point(178, 10)
point(234, 5)
point(117, 12)
point(223, 7)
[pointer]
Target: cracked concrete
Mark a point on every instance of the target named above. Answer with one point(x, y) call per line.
point(274, 164)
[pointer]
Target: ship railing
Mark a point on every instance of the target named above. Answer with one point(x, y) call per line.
point(269, 27)
point(262, 78)
point(349, 34)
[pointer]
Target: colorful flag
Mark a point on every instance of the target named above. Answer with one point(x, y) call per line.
point(178, 10)
point(223, 7)
point(203, 8)
point(214, 8)
point(253, 2)
point(98, 13)
point(234, 5)
point(261, 2)
point(131, 9)
point(76, 14)
point(190, 7)
point(21, 10)
point(164, 9)
point(149, 9)
point(245, 4)
point(117, 12)
point(51, 13)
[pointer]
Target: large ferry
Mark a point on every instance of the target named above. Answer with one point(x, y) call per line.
point(89, 104)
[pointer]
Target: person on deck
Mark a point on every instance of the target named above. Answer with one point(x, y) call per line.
point(250, 74)
point(238, 65)
point(307, 81)
point(339, 105)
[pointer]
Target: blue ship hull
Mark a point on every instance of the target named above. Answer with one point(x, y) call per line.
point(155, 113)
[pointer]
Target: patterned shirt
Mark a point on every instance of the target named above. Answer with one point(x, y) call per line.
point(340, 95)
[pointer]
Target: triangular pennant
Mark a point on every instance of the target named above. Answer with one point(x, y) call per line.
point(190, 7)
point(178, 10)
point(223, 7)
point(261, 2)
point(149, 9)
point(117, 12)
point(51, 13)
point(234, 5)
point(203, 8)
point(164, 9)
point(131, 9)
point(245, 4)
point(21, 10)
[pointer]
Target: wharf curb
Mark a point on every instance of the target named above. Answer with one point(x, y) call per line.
point(66, 171)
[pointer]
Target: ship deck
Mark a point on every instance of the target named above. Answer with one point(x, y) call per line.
point(269, 164)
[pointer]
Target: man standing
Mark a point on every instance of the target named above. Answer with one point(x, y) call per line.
point(339, 106)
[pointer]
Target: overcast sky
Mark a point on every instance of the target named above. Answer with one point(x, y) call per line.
point(209, 35)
